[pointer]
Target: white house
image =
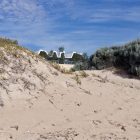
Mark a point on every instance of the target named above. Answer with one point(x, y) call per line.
point(68, 56)
point(58, 54)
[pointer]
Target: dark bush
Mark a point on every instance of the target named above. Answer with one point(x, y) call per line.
point(62, 59)
point(126, 57)
point(43, 54)
point(80, 66)
point(77, 58)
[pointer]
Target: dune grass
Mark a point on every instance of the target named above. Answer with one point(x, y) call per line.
point(59, 68)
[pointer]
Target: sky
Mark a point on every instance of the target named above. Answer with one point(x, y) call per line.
point(77, 25)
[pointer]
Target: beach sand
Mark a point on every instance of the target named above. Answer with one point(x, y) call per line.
point(39, 103)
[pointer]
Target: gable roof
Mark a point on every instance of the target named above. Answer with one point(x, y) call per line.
point(58, 54)
point(69, 55)
point(41, 51)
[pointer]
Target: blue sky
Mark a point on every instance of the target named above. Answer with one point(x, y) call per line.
point(79, 25)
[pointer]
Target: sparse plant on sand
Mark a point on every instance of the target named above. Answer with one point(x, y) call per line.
point(80, 66)
point(61, 69)
point(83, 74)
point(77, 79)
point(1, 102)
point(56, 66)
point(12, 47)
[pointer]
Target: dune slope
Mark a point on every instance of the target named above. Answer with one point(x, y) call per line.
point(39, 103)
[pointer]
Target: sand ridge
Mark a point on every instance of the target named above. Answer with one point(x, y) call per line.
point(39, 103)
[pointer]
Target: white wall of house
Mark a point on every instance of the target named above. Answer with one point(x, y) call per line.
point(58, 54)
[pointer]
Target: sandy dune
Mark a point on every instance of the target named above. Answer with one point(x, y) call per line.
point(39, 103)
point(66, 66)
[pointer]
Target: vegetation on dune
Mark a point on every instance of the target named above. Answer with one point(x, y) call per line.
point(12, 47)
point(59, 68)
point(77, 79)
point(126, 57)
point(83, 74)
point(5, 41)
point(81, 63)
point(80, 66)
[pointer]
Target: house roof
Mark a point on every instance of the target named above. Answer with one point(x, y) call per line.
point(69, 55)
point(58, 54)
point(41, 51)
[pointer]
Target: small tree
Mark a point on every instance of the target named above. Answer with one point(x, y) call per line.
point(85, 57)
point(50, 53)
point(54, 57)
point(61, 49)
point(62, 59)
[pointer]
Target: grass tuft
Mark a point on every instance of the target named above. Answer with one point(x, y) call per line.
point(59, 68)
point(77, 79)
point(83, 74)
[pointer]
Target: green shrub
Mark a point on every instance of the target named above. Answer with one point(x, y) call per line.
point(77, 58)
point(80, 66)
point(59, 68)
point(126, 57)
point(62, 59)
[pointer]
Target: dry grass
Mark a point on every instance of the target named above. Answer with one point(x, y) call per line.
point(12, 47)
point(1, 102)
point(83, 74)
point(101, 79)
point(77, 79)
point(59, 68)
